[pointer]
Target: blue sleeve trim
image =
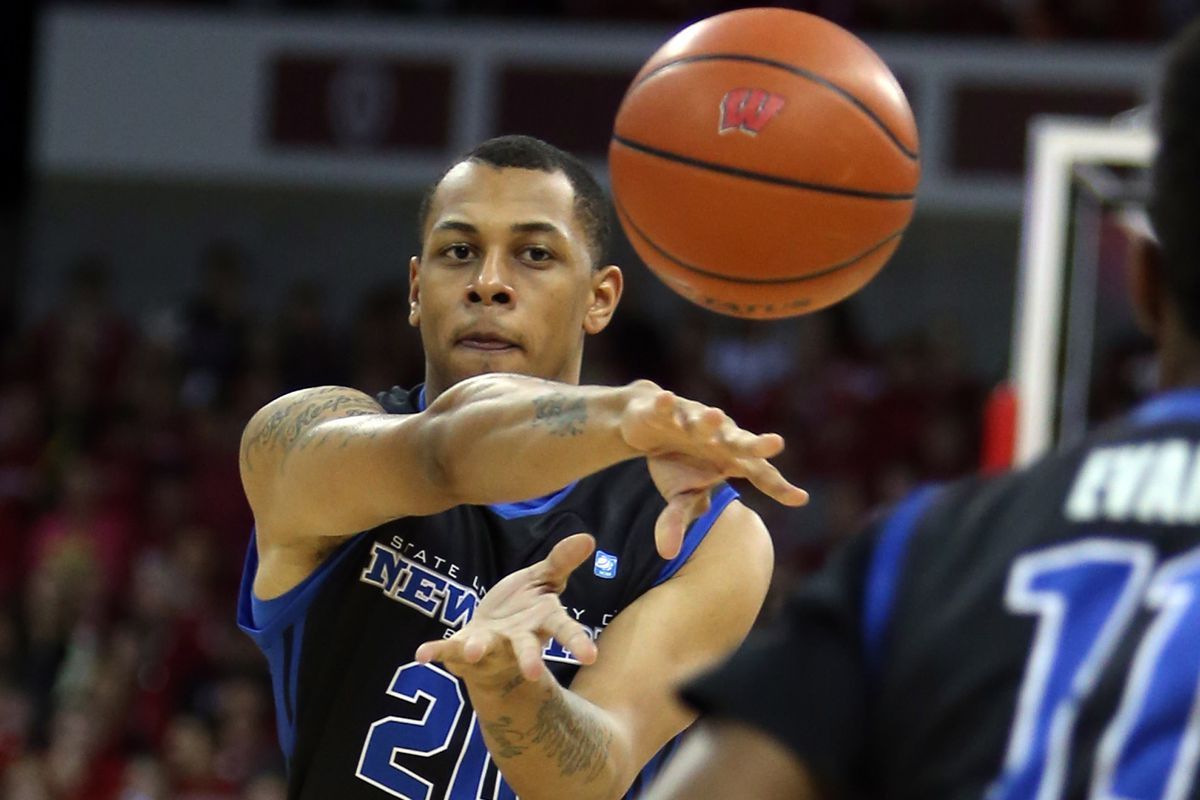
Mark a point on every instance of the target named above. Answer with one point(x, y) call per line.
point(277, 627)
point(260, 618)
point(538, 505)
point(699, 529)
point(885, 568)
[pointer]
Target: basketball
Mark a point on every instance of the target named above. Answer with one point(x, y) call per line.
point(764, 163)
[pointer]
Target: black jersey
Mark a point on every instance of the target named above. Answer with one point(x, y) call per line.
point(1032, 636)
point(358, 719)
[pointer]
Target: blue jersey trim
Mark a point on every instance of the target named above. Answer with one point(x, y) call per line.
point(699, 529)
point(277, 627)
point(538, 505)
point(1176, 405)
point(421, 404)
point(263, 611)
point(884, 569)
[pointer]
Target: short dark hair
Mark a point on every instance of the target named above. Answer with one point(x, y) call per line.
point(526, 152)
point(1175, 198)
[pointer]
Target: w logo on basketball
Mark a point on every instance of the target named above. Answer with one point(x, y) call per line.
point(748, 110)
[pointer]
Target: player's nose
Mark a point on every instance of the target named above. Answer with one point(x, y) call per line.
point(491, 284)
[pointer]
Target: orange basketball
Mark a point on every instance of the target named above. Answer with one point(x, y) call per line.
point(764, 163)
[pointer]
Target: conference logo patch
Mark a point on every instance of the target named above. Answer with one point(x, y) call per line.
point(605, 565)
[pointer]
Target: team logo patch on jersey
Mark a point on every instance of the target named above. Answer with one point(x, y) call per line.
point(605, 565)
point(748, 110)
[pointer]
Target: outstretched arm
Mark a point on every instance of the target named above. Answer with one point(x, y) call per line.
point(329, 462)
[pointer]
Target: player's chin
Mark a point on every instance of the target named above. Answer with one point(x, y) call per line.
point(468, 362)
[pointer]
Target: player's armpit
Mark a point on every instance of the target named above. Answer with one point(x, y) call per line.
point(724, 759)
point(329, 461)
point(675, 630)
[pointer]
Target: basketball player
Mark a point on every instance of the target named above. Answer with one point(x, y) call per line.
point(408, 575)
point(1035, 636)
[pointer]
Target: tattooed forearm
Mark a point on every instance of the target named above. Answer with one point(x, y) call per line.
point(506, 741)
point(577, 742)
point(565, 417)
point(286, 427)
point(507, 688)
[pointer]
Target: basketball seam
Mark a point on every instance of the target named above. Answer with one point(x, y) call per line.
point(763, 177)
point(799, 72)
point(755, 281)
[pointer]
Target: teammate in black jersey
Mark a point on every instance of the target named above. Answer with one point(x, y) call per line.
point(407, 579)
point(1032, 637)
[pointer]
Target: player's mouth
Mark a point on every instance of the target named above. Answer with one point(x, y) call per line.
point(487, 343)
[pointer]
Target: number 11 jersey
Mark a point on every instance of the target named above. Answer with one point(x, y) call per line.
point(1034, 636)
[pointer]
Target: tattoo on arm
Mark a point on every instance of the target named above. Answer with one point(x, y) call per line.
point(287, 426)
point(506, 737)
point(507, 688)
point(564, 417)
point(578, 743)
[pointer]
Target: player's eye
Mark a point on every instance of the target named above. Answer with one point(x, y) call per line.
point(537, 254)
point(457, 252)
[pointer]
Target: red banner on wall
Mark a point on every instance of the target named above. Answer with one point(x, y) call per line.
point(358, 104)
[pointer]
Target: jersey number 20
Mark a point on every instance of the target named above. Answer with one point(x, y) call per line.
point(427, 736)
point(1085, 596)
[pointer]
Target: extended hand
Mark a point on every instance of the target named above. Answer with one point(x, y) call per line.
point(691, 447)
point(514, 621)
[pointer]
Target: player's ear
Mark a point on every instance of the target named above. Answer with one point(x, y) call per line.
point(1146, 283)
point(414, 292)
point(607, 285)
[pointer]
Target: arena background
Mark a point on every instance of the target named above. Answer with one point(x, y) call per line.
point(207, 204)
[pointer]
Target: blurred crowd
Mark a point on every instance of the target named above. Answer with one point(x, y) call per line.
point(1122, 20)
point(123, 526)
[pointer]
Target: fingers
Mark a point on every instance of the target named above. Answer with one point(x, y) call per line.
point(565, 558)
point(767, 445)
point(673, 521)
point(432, 651)
point(768, 480)
point(707, 423)
point(461, 650)
point(666, 403)
point(668, 532)
point(733, 451)
point(468, 647)
point(477, 644)
point(581, 645)
point(521, 641)
point(712, 429)
point(527, 649)
point(570, 634)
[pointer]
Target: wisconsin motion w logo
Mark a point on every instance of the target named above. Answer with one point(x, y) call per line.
point(748, 110)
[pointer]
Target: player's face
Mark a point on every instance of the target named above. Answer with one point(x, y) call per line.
point(505, 282)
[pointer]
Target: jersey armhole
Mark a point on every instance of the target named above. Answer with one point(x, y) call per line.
point(725, 495)
point(277, 627)
point(258, 617)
